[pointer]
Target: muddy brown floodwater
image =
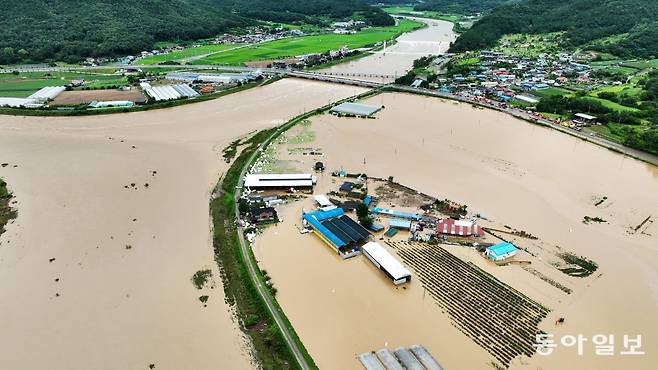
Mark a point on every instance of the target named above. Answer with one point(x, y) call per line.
point(513, 173)
point(395, 60)
point(95, 273)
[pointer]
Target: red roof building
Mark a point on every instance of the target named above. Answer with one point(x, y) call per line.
point(450, 226)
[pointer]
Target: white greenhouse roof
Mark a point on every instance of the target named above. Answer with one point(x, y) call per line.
point(386, 260)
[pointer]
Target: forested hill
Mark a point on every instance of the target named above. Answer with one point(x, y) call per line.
point(49, 30)
point(628, 28)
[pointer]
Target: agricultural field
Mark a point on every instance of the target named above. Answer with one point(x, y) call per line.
point(551, 91)
point(291, 47)
point(25, 84)
point(498, 318)
point(187, 53)
point(530, 45)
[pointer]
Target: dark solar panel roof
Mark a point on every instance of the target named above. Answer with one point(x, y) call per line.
point(357, 227)
point(346, 229)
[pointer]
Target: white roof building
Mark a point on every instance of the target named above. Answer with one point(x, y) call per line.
point(296, 180)
point(384, 261)
point(322, 200)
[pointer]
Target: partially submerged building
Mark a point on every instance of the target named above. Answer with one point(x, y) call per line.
point(279, 181)
point(500, 251)
point(354, 110)
point(449, 226)
point(384, 261)
point(263, 214)
point(338, 230)
point(396, 214)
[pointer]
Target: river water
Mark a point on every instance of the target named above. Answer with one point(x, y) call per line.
point(397, 59)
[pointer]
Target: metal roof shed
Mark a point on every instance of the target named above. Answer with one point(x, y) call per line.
point(501, 251)
point(383, 260)
point(361, 110)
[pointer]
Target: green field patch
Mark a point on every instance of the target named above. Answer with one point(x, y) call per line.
point(25, 84)
point(186, 53)
point(295, 46)
point(614, 106)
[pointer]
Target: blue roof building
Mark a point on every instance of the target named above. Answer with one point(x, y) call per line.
point(338, 230)
point(500, 251)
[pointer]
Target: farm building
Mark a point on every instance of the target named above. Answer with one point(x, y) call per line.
point(500, 251)
point(224, 78)
point(400, 224)
point(263, 214)
point(451, 226)
point(323, 201)
point(354, 109)
point(338, 230)
point(408, 360)
point(20, 103)
point(279, 181)
point(112, 104)
point(396, 214)
point(47, 93)
point(370, 362)
point(585, 119)
point(384, 261)
point(169, 92)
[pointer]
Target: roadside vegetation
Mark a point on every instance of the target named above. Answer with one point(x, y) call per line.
point(6, 212)
point(271, 348)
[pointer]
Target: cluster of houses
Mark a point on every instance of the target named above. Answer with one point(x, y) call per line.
point(503, 77)
point(257, 34)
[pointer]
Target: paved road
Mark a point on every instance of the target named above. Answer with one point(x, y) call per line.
point(253, 275)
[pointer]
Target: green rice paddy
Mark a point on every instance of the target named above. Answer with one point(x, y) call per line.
point(25, 84)
point(292, 47)
point(187, 53)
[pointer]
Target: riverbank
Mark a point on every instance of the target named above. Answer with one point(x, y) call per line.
point(523, 115)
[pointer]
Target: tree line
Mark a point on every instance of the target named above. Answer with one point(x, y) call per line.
point(70, 30)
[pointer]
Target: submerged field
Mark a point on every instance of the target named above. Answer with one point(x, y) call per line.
point(458, 304)
point(291, 47)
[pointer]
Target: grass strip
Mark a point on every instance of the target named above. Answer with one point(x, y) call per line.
point(256, 321)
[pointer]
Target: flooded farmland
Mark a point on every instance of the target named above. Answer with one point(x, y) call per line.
point(112, 224)
point(512, 174)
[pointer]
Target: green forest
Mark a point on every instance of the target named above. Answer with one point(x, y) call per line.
point(459, 6)
point(70, 30)
point(626, 28)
